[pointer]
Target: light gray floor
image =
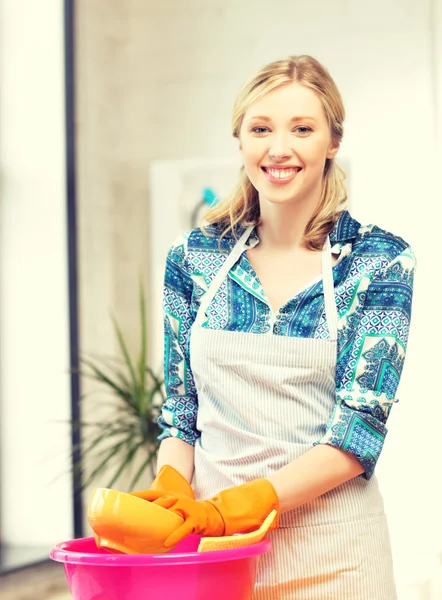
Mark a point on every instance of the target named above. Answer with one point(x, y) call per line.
point(13, 557)
point(41, 582)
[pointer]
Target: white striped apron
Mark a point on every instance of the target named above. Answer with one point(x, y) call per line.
point(262, 402)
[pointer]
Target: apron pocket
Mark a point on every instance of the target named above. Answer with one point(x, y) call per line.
point(348, 559)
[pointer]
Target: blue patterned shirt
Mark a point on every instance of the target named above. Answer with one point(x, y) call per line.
point(373, 284)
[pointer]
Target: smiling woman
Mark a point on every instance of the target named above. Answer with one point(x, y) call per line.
point(286, 326)
point(288, 116)
point(287, 149)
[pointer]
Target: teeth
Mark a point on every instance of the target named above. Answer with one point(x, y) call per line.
point(282, 173)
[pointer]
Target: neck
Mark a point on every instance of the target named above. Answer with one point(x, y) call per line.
point(282, 227)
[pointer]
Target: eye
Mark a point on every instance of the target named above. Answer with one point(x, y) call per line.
point(259, 129)
point(305, 129)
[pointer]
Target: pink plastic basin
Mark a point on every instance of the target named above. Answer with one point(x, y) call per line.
point(181, 574)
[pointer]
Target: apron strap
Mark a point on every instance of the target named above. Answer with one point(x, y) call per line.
point(221, 275)
point(331, 311)
point(327, 282)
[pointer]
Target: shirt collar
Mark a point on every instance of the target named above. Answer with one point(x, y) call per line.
point(345, 229)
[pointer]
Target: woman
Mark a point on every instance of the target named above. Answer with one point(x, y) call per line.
point(286, 324)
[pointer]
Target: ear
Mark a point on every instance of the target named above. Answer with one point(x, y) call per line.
point(333, 150)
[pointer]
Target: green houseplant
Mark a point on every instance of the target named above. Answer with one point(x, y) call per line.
point(125, 441)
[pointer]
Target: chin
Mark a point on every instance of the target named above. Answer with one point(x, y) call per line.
point(281, 197)
point(289, 200)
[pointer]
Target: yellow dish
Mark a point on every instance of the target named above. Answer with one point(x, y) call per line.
point(124, 523)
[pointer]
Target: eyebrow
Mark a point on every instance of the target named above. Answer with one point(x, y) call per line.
point(264, 118)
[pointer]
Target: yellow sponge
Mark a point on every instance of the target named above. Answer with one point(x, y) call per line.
point(228, 542)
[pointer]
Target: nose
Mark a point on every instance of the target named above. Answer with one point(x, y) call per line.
point(280, 147)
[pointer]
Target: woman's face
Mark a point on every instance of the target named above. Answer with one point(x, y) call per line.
point(285, 140)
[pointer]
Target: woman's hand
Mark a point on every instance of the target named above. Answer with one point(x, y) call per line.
point(168, 480)
point(200, 517)
point(235, 510)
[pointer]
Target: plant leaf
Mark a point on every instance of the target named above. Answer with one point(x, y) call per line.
point(112, 452)
point(77, 467)
point(142, 468)
point(100, 376)
point(111, 362)
point(143, 345)
point(138, 393)
point(158, 383)
point(123, 347)
point(87, 449)
point(126, 396)
point(126, 461)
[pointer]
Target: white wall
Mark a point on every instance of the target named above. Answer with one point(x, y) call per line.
point(34, 344)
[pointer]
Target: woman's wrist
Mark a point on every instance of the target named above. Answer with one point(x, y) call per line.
point(178, 454)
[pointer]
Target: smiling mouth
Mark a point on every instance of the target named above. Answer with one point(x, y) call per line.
point(281, 173)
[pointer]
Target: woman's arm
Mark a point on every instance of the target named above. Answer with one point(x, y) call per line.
point(314, 473)
point(356, 431)
point(177, 454)
point(179, 411)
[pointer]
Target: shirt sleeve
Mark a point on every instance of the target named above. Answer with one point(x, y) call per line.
point(370, 362)
point(179, 411)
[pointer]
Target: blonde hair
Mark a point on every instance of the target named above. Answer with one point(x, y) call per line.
point(242, 205)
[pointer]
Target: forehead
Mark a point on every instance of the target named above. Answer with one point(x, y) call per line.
point(288, 101)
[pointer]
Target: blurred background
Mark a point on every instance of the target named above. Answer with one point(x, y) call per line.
point(114, 124)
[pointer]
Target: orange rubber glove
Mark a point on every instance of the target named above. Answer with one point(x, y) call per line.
point(168, 480)
point(240, 509)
